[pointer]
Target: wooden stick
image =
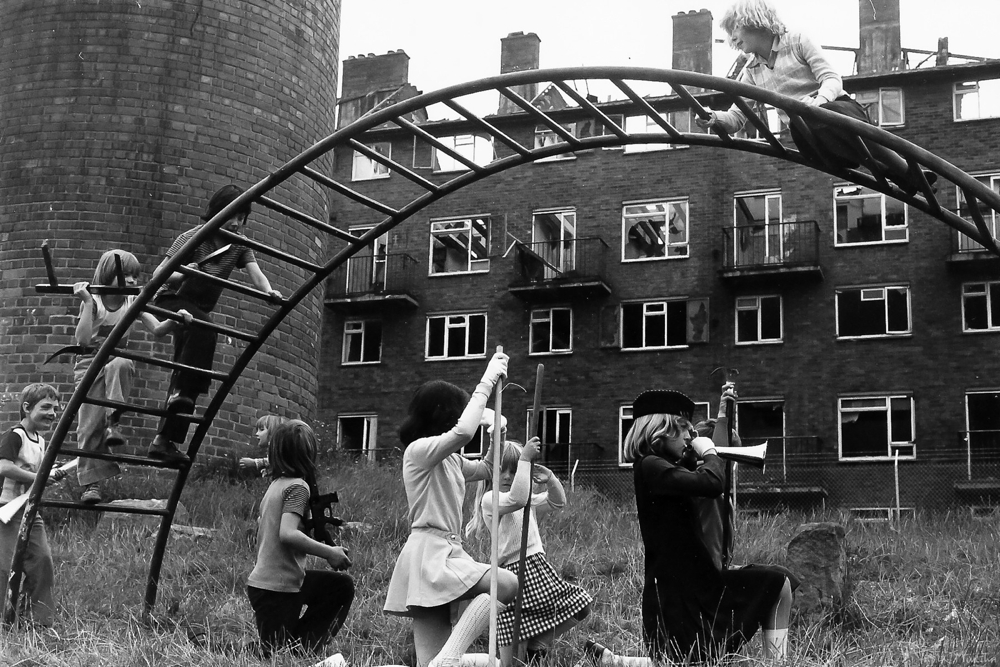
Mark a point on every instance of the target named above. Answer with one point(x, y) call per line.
point(522, 554)
point(495, 528)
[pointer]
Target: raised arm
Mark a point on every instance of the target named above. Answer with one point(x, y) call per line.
point(85, 321)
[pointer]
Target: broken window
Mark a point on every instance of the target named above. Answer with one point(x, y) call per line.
point(966, 244)
point(456, 336)
point(876, 427)
point(364, 168)
point(358, 434)
point(981, 306)
point(475, 148)
point(555, 431)
point(873, 311)
point(757, 237)
point(977, 99)
point(551, 331)
point(883, 106)
point(758, 319)
point(680, 120)
point(655, 230)
point(460, 246)
point(546, 136)
point(362, 342)
point(865, 216)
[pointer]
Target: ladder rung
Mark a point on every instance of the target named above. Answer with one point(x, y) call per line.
point(761, 126)
point(119, 458)
point(103, 507)
point(540, 117)
point(433, 141)
point(128, 407)
point(308, 220)
point(173, 365)
point(326, 181)
point(489, 128)
point(93, 289)
point(268, 250)
point(218, 328)
point(394, 166)
point(230, 284)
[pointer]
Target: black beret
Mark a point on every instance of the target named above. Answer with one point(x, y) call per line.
point(662, 402)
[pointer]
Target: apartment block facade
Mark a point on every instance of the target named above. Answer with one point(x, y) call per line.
point(865, 332)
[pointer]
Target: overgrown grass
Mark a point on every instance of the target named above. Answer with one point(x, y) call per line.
point(925, 592)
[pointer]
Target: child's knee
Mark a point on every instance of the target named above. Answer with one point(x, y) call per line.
point(506, 586)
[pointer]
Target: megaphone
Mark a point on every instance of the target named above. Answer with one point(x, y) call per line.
point(753, 456)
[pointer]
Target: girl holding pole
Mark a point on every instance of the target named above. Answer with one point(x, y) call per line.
point(433, 570)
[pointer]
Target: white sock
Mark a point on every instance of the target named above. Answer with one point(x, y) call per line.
point(630, 661)
point(475, 660)
point(775, 643)
point(473, 623)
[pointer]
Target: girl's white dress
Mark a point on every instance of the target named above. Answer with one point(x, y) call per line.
point(433, 568)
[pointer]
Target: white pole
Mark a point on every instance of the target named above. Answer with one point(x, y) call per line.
point(572, 476)
point(895, 466)
point(495, 528)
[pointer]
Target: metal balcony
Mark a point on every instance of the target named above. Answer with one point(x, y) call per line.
point(372, 282)
point(566, 269)
point(969, 255)
point(771, 252)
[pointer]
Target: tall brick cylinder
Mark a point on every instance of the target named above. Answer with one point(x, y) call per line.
point(118, 119)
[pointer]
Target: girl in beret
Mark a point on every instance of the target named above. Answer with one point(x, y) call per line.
point(693, 608)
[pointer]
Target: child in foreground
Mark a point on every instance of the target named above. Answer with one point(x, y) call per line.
point(550, 606)
point(433, 570)
point(97, 425)
point(279, 587)
point(21, 450)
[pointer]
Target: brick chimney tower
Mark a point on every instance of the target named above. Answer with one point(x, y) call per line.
point(369, 80)
point(693, 42)
point(880, 49)
point(519, 52)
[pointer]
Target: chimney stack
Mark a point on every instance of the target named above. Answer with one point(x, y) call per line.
point(880, 46)
point(693, 42)
point(367, 74)
point(519, 52)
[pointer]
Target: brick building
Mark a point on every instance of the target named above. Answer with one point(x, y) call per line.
point(864, 331)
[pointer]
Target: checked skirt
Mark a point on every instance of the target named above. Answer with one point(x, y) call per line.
point(548, 601)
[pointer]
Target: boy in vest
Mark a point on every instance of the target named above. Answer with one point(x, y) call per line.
point(21, 450)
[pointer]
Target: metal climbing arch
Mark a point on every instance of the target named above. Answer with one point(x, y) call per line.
point(688, 87)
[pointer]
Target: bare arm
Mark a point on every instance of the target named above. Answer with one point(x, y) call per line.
point(158, 328)
point(85, 321)
point(259, 280)
point(10, 470)
point(290, 534)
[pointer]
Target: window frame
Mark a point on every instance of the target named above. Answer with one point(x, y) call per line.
point(531, 331)
point(957, 95)
point(871, 297)
point(668, 205)
point(877, 104)
point(891, 445)
point(992, 319)
point(448, 327)
point(651, 127)
point(646, 314)
point(760, 340)
point(364, 322)
point(376, 168)
point(772, 227)
point(470, 227)
point(543, 132)
point(442, 163)
point(369, 447)
point(966, 244)
point(867, 193)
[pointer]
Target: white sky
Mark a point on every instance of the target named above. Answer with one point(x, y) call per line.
point(453, 41)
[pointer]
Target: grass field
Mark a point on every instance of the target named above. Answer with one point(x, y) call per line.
point(925, 592)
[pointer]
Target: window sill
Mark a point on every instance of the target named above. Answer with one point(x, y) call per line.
point(445, 274)
point(908, 334)
point(360, 363)
point(479, 356)
point(760, 342)
point(554, 353)
point(875, 459)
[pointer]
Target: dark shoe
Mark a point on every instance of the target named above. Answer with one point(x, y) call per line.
point(178, 403)
point(164, 450)
point(91, 494)
point(594, 651)
point(113, 437)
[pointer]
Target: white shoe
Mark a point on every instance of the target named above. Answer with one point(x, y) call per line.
point(335, 660)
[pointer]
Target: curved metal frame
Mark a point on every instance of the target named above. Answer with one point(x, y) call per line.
point(352, 136)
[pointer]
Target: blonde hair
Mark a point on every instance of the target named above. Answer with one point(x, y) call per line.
point(508, 463)
point(650, 429)
point(755, 14)
point(105, 272)
point(267, 422)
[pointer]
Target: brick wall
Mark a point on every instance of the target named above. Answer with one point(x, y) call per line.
point(119, 121)
point(808, 371)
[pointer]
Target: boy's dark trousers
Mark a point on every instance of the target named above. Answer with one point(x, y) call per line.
point(193, 346)
point(327, 597)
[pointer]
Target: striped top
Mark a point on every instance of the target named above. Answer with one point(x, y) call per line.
point(203, 293)
point(800, 69)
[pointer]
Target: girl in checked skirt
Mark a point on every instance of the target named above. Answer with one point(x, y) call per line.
point(550, 605)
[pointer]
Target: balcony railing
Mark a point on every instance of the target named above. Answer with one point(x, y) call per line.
point(966, 252)
point(784, 247)
point(563, 268)
point(373, 278)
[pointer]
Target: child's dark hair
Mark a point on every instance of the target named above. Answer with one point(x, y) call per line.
point(105, 273)
point(34, 393)
point(434, 409)
point(291, 451)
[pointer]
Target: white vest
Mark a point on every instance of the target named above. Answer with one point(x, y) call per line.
point(28, 458)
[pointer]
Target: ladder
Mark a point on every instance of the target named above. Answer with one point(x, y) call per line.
point(691, 90)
